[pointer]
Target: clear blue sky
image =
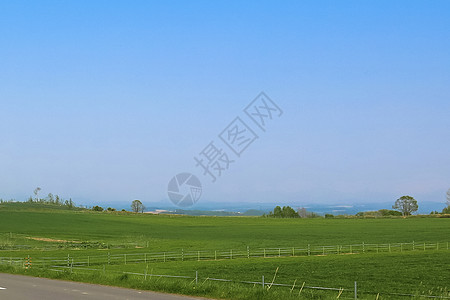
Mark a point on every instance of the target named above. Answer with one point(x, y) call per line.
point(105, 101)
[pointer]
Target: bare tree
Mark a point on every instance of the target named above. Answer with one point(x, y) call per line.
point(137, 206)
point(36, 193)
point(448, 197)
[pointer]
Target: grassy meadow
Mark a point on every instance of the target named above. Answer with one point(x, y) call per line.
point(49, 233)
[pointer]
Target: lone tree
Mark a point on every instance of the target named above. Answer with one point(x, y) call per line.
point(448, 197)
point(446, 210)
point(137, 206)
point(406, 205)
point(36, 193)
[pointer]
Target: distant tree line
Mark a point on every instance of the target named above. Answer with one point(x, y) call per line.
point(289, 212)
point(379, 213)
point(99, 208)
point(50, 199)
point(403, 206)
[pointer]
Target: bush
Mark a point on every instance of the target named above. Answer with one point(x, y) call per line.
point(389, 212)
point(97, 208)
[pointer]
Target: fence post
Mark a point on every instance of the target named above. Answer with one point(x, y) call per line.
point(424, 246)
point(198, 255)
point(262, 281)
point(248, 252)
point(351, 251)
point(309, 250)
point(231, 254)
point(377, 248)
point(68, 260)
point(279, 252)
point(196, 277)
point(293, 251)
point(265, 251)
point(389, 248)
point(414, 246)
point(182, 254)
point(164, 256)
point(356, 291)
point(323, 250)
point(401, 247)
point(364, 248)
point(437, 246)
point(125, 258)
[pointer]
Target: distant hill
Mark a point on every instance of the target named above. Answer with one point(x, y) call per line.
point(36, 206)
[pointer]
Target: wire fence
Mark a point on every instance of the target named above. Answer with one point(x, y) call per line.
point(97, 263)
point(190, 255)
point(353, 291)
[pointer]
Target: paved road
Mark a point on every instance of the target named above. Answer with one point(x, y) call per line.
point(16, 287)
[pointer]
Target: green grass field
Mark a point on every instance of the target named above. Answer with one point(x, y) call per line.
point(55, 234)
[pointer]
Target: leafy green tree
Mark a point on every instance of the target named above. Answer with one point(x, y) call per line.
point(277, 212)
point(406, 205)
point(137, 206)
point(288, 212)
point(285, 212)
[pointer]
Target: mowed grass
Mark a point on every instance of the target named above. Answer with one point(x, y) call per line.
point(414, 272)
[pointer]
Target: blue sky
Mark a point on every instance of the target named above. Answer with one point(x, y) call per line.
point(105, 101)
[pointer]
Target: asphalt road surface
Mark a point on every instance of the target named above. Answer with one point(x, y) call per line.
point(16, 287)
